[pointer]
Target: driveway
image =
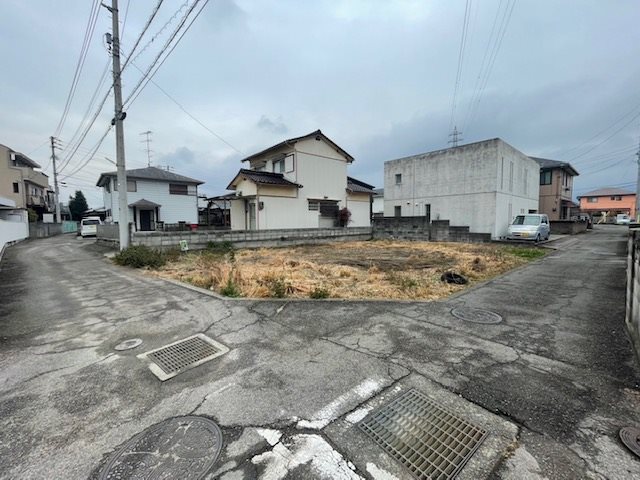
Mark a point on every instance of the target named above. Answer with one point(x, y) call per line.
point(552, 383)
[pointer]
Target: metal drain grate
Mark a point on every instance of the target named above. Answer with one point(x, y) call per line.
point(175, 358)
point(427, 439)
point(476, 315)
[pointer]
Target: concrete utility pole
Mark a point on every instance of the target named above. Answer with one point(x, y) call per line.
point(123, 207)
point(56, 195)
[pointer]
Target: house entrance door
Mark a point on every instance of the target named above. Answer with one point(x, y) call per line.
point(145, 220)
point(252, 216)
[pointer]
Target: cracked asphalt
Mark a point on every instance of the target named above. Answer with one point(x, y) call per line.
point(552, 383)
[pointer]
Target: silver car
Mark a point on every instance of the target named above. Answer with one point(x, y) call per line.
point(533, 226)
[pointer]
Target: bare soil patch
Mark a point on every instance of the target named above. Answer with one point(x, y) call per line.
point(353, 270)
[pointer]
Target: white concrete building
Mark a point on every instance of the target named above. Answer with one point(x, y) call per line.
point(298, 183)
point(153, 195)
point(482, 185)
point(377, 207)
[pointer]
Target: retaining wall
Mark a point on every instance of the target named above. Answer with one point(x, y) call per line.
point(567, 227)
point(251, 238)
point(632, 317)
point(41, 230)
point(418, 228)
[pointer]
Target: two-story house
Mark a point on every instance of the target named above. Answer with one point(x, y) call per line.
point(298, 183)
point(154, 195)
point(556, 188)
point(482, 185)
point(22, 183)
point(608, 202)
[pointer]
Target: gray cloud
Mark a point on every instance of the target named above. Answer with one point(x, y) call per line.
point(273, 126)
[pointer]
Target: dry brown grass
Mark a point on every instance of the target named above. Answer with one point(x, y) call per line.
point(368, 270)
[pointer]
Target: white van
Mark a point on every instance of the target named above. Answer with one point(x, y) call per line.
point(533, 226)
point(89, 226)
point(623, 219)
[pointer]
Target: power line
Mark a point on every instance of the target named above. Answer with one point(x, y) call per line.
point(463, 41)
point(148, 74)
point(142, 33)
point(493, 55)
point(88, 36)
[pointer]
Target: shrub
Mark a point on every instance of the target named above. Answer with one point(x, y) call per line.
point(139, 256)
point(344, 217)
point(278, 287)
point(319, 292)
point(220, 247)
point(230, 289)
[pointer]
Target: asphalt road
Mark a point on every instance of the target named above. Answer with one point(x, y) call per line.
point(552, 383)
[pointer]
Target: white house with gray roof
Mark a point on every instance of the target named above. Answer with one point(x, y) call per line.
point(154, 195)
point(301, 182)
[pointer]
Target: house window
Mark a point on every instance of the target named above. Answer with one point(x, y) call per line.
point(16, 187)
point(178, 189)
point(617, 198)
point(398, 178)
point(592, 199)
point(131, 185)
point(545, 177)
point(397, 211)
point(314, 205)
point(278, 166)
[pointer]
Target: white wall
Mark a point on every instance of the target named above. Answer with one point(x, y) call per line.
point(14, 225)
point(462, 185)
point(378, 205)
point(174, 208)
point(360, 208)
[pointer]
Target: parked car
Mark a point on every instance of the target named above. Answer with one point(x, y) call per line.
point(89, 226)
point(533, 226)
point(623, 219)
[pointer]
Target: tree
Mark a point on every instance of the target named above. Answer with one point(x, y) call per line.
point(78, 205)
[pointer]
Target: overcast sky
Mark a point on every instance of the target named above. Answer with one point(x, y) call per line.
point(378, 77)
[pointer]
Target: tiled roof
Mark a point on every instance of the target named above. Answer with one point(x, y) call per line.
point(607, 192)
point(292, 141)
point(151, 173)
point(354, 185)
point(546, 163)
point(262, 178)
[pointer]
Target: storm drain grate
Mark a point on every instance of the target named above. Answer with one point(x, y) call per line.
point(175, 358)
point(476, 315)
point(427, 439)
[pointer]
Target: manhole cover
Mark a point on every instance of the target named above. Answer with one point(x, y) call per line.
point(182, 447)
point(430, 441)
point(175, 358)
point(129, 344)
point(630, 436)
point(476, 315)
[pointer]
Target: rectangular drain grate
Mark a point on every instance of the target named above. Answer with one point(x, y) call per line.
point(427, 439)
point(175, 358)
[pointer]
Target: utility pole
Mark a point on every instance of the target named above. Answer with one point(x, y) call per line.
point(123, 207)
point(56, 189)
point(148, 142)
point(455, 137)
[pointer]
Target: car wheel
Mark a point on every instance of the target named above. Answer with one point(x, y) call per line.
point(537, 239)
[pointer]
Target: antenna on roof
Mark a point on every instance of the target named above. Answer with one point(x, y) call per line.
point(148, 142)
point(454, 137)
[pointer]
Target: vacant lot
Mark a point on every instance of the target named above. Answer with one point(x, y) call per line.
point(375, 269)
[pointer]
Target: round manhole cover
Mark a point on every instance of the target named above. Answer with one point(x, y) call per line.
point(181, 447)
point(630, 436)
point(129, 344)
point(476, 315)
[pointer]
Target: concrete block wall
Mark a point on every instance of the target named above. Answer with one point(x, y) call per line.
point(567, 227)
point(250, 238)
point(418, 228)
point(632, 317)
point(41, 230)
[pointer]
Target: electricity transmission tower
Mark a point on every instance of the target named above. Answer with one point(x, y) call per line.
point(455, 137)
point(147, 140)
